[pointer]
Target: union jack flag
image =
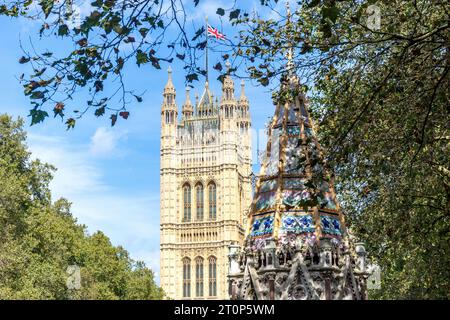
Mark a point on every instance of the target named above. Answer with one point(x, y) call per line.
point(215, 33)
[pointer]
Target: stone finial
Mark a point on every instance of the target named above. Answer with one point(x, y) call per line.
point(188, 96)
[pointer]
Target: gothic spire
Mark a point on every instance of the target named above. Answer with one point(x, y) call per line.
point(243, 99)
point(188, 109)
point(169, 85)
point(297, 245)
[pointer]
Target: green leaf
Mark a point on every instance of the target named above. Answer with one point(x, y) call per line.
point(63, 30)
point(98, 86)
point(143, 32)
point(99, 112)
point(330, 13)
point(37, 116)
point(191, 77)
point(47, 6)
point(220, 12)
point(23, 60)
point(264, 81)
point(70, 123)
point(37, 95)
point(141, 58)
point(234, 14)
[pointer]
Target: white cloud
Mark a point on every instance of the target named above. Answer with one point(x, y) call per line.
point(128, 218)
point(104, 141)
point(75, 173)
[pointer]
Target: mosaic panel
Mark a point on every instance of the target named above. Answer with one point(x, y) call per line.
point(294, 198)
point(272, 161)
point(293, 130)
point(330, 225)
point(295, 158)
point(292, 223)
point(265, 200)
point(294, 183)
point(268, 185)
point(262, 226)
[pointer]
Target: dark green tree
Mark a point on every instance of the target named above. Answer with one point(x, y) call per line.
point(40, 239)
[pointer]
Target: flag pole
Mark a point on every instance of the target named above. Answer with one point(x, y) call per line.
point(206, 52)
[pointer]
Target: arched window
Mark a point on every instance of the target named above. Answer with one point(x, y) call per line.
point(199, 277)
point(212, 201)
point(212, 276)
point(186, 202)
point(167, 117)
point(186, 277)
point(199, 201)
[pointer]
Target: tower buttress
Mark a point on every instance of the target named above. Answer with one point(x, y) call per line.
point(228, 103)
point(188, 109)
point(169, 110)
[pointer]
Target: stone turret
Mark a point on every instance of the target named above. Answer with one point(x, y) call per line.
point(169, 110)
point(228, 102)
point(243, 110)
point(188, 109)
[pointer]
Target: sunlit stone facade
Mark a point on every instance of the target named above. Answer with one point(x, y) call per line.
point(205, 189)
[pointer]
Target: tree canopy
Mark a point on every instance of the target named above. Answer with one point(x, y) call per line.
point(40, 239)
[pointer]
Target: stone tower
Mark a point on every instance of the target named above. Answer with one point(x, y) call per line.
point(297, 245)
point(205, 189)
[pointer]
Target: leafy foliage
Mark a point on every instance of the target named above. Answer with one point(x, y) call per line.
point(40, 239)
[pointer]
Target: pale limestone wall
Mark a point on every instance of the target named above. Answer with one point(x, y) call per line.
point(225, 158)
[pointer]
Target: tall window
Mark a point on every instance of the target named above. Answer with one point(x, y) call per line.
point(167, 117)
point(186, 277)
point(199, 277)
point(199, 200)
point(212, 201)
point(212, 276)
point(187, 202)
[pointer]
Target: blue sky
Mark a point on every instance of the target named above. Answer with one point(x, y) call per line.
point(112, 174)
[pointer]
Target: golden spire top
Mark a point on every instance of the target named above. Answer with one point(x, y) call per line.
point(290, 49)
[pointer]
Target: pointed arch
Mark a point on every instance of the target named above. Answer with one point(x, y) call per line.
point(186, 202)
point(199, 277)
point(212, 200)
point(186, 277)
point(199, 199)
point(212, 276)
